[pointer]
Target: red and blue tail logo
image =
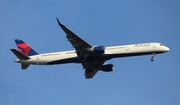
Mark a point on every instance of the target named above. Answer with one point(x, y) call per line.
point(25, 48)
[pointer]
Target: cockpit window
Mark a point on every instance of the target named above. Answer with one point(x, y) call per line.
point(161, 45)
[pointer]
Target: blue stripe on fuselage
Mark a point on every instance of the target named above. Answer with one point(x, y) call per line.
point(99, 57)
point(63, 61)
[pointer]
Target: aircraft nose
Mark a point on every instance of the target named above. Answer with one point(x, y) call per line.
point(167, 49)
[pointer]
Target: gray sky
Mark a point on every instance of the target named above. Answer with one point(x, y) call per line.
point(135, 80)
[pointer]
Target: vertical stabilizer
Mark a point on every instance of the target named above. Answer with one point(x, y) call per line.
point(25, 48)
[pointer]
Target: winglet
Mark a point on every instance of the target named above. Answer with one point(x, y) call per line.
point(60, 24)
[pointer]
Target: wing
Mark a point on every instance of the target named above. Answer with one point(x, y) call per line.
point(79, 44)
point(89, 73)
point(92, 68)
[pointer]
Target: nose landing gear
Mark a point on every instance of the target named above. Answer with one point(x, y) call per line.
point(152, 58)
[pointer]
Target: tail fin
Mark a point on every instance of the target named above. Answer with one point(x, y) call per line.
point(25, 48)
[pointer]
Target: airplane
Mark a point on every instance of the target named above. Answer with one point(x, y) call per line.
point(91, 57)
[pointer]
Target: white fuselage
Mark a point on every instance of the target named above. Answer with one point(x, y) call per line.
point(110, 52)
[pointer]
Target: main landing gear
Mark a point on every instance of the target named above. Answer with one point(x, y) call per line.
point(152, 58)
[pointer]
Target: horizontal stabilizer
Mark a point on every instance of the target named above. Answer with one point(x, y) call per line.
point(19, 54)
point(24, 66)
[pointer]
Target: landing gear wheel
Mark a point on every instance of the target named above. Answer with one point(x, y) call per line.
point(152, 58)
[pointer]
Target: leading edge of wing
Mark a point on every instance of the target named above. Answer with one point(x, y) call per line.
point(72, 35)
point(64, 28)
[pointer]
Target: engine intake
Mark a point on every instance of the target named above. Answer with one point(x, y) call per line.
point(107, 67)
point(97, 49)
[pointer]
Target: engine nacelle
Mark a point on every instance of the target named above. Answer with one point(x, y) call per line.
point(107, 67)
point(97, 49)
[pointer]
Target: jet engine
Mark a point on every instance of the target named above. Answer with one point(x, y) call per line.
point(107, 67)
point(97, 49)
